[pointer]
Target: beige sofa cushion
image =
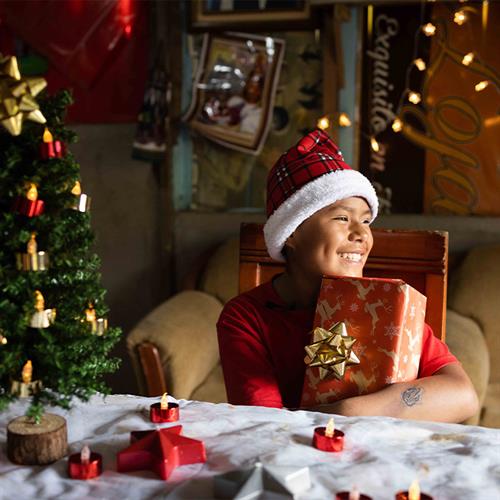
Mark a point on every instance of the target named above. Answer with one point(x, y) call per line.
point(183, 329)
point(474, 292)
point(213, 388)
point(221, 276)
point(466, 341)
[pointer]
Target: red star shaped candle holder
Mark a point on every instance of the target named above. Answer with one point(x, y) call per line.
point(164, 411)
point(161, 451)
point(328, 438)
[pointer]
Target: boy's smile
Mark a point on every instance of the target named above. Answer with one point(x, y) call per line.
point(336, 240)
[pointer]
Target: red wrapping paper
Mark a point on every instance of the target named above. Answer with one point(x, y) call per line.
point(386, 317)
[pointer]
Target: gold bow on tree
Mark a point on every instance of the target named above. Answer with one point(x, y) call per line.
point(331, 351)
point(17, 96)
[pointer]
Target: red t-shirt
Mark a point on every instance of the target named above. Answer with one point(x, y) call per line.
point(261, 344)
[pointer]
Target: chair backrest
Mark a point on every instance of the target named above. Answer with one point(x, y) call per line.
point(420, 258)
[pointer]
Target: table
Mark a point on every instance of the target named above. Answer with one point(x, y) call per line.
point(381, 456)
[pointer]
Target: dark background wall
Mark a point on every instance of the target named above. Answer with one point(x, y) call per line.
point(126, 218)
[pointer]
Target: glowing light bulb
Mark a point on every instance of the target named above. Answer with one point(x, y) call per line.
point(344, 120)
point(374, 145)
point(90, 315)
point(414, 97)
point(330, 428)
point(47, 136)
point(354, 494)
point(164, 401)
point(77, 189)
point(467, 59)
point(481, 85)
point(85, 455)
point(32, 192)
point(420, 64)
point(31, 247)
point(27, 372)
point(39, 301)
point(429, 29)
point(460, 17)
point(3, 339)
point(397, 125)
point(323, 123)
point(414, 491)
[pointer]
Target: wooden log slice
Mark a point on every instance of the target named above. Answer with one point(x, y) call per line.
point(37, 444)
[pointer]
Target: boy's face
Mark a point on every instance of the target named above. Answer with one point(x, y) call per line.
point(336, 240)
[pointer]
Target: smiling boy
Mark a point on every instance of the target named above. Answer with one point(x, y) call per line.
point(319, 214)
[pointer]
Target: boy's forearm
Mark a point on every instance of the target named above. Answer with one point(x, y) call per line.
point(447, 397)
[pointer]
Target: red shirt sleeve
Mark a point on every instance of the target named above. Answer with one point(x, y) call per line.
point(246, 363)
point(435, 354)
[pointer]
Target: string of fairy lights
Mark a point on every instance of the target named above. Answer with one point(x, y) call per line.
point(461, 16)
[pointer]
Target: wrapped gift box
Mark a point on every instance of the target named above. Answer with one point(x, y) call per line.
point(386, 317)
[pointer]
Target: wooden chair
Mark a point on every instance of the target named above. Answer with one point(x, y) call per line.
point(420, 258)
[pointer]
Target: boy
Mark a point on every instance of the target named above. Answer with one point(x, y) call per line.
point(319, 214)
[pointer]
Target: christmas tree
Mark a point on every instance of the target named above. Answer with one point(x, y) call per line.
point(54, 339)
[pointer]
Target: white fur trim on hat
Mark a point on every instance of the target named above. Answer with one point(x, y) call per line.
point(312, 197)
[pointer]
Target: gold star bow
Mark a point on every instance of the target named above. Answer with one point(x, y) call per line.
point(331, 351)
point(17, 96)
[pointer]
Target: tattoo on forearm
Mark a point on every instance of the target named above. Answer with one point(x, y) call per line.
point(412, 396)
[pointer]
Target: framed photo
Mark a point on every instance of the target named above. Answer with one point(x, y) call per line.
point(234, 89)
point(251, 15)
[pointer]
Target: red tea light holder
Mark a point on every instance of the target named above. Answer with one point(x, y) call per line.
point(328, 438)
point(413, 493)
point(164, 411)
point(84, 465)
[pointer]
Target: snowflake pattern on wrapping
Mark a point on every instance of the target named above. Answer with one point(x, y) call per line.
point(391, 330)
point(353, 307)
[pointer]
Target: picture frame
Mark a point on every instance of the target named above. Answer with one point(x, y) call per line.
point(234, 89)
point(266, 15)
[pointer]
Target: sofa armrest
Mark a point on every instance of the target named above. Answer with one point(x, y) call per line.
point(183, 330)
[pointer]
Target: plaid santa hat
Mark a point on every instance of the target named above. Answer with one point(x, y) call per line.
point(305, 179)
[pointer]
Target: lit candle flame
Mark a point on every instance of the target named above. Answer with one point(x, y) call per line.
point(47, 136)
point(39, 301)
point(330, 428)
point(32, 192)
point(467, 59)
point(481, 85)
point(77, 189)
point(397, 125)
point(354, 494)
point(90, 315)
point(374, 145)
point(31, 247)
point(85, 455)
point(420, 64)
point(323, 123)
point(460, 17)
point(344, 120)
point(27, 372)
point(164, 401)
point(414, 491)
point(429, 29)
point(414, 97)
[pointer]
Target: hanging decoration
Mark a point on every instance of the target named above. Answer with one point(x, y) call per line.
point(82, 202)
point(98, 326)
point(41, 318)
point(29, 204)
point(17, 96)
point(50, 148)
point(33, 259)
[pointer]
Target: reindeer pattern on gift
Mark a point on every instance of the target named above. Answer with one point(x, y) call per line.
point(326, 311)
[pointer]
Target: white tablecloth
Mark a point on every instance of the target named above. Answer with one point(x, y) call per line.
point(381, 455)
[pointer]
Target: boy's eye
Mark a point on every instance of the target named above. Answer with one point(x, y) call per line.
point(341, 217)
point(366, 221)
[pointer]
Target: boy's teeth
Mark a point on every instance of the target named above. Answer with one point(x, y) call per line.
point(355, 257)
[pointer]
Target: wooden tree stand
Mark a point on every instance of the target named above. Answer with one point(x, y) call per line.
point(37, 444)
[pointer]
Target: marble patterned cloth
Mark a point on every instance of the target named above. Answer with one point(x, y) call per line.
point(381, 455)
